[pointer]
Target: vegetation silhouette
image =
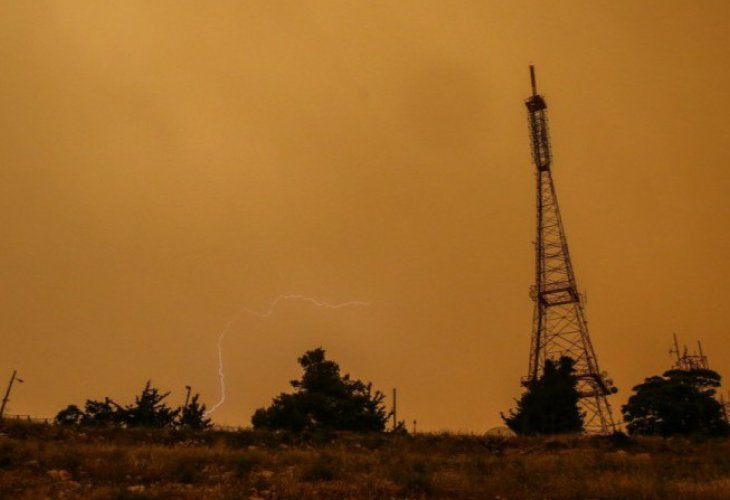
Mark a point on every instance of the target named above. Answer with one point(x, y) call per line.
point(95, 413)
point(550, 403)
point(679, 402)
point(192, 415)
point(324, 399)
point(149, 410)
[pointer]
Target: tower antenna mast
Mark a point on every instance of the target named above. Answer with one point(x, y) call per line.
point(532, 80)
point(559, 326)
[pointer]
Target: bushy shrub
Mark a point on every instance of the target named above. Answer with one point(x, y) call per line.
point(678, 402)
point(324, 398)
point(148, 411)
point(550, 403)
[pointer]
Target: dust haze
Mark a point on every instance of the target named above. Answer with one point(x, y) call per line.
point(165, 164)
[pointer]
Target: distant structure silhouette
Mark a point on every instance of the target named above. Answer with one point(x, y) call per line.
point(688, 361)
point(559, 321)
point(13, 378)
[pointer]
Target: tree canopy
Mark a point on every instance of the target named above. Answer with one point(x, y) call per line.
point(678, 402)
point(550, 403)
point(192, 415)
point(326, 399)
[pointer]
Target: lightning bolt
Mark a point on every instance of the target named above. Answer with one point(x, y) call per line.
point(266, 314)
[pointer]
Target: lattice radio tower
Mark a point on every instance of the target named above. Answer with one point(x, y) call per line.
point(559, 325)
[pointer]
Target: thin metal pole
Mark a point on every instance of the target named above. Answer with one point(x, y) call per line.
point(395, 418)
point(532, 79)
point(187, 395)
point(7, 393)
point(703, 358)
point(676, 346)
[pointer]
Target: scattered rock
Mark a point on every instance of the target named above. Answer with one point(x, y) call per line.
point(59, 474)
point(266, 474)
point(136, 488)
point(253, 494)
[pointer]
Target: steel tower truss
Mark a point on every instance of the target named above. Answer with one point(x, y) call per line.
point(559, 324)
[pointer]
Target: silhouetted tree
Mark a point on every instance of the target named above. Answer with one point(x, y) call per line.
point(149, 410)
point(324, 398)
point(105, 412)
point(550, 403)
point(71, 415)
point(192, 416)
point(678, 402)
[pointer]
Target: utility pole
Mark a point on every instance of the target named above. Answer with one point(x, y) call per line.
point(393, 411)
point(6, 398)
point(187, 395)
point(559, 326)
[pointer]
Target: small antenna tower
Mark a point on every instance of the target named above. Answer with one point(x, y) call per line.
point(697, 360)
point(559, 325)
point(688, 361)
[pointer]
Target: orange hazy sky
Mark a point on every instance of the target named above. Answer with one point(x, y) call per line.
point(165, 164)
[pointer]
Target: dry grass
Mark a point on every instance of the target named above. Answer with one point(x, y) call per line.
point(38, 461)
